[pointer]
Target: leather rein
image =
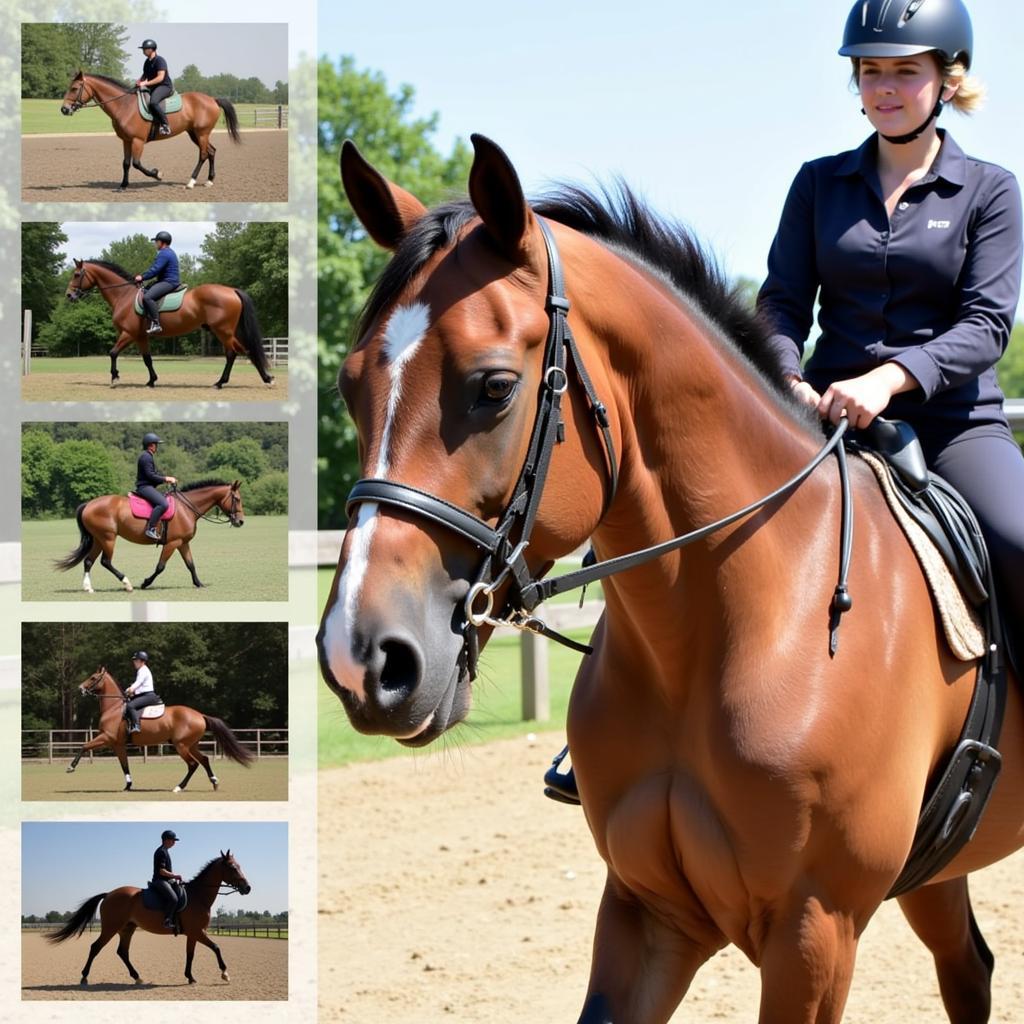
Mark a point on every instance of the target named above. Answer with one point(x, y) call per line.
point(211, 515)
point(505, 545)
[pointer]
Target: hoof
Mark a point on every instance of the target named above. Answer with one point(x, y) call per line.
point(216, 786)
point(191, 981)
point(191, 183)
point(158, 175)
point(137, 980)
point(150, 383)
point(69, 770)
point(84, 981)
point(127, 788)
point(218, 384)
point(89, 590)
point(145, 584)
point(177, 789)
point(224, 975)
point(199, 586)
point(127, 584)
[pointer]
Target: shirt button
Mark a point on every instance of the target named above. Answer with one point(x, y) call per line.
point(903, 205)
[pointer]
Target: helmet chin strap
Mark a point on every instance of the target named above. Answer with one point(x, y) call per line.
point(899, 140)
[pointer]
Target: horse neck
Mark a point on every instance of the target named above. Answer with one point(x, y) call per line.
point(204, 498)
point(103, 92)
point(106, 282)
point(701, 436)
point(109, 689)
point(203, 889)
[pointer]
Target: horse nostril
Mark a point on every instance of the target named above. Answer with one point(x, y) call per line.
point(400, 674)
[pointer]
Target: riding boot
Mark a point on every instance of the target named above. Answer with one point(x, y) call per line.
point(134, 724)
point(154, 327)
point(561, 786)
point(151, 530)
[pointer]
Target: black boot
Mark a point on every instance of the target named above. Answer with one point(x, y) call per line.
point(561, 786)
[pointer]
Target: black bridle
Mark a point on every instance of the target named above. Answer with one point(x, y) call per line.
point(212, 515)
point(505, 545)
point(79, 104)
point(77, 291)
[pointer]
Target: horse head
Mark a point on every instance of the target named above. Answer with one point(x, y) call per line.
point(94, 682)
point(78, 92)
point(444, 383)
point(231, 504)
point(80, 282)
point(232, 874)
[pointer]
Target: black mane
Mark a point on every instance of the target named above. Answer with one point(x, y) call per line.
point(115, 267)
point(109, 80)
point(621, 219)
point(203, 483)
point(202, 871)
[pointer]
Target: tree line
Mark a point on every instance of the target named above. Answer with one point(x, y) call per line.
point(236, 671)
point(358, 104)
point(64, 464)
point(252, 257)
point(225, 918)
point(51, 54)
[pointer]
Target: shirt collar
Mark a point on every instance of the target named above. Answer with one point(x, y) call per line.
point(950, 163)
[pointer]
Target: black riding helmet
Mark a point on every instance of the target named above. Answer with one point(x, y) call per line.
point(162, 236)
point(150, 438)
point(168, 834)
point(148, 44)
point(140, 656)
point(903, 28)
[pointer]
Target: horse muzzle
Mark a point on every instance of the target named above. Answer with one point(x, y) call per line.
point(66, 110)
point(238, 522)
point(245, 889)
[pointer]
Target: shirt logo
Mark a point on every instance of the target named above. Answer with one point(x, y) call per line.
point(938, 224)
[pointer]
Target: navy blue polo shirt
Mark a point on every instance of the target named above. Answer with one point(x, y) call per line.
point(934, 289)
point(164, 267)
point(154, 64)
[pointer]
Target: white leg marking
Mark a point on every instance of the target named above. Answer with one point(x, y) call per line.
point(87, 584)
point(191, 183)
point(177, 789)
point(128, 778)
point(127, 584)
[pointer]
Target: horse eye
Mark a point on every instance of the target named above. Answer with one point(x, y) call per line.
point(498, 388)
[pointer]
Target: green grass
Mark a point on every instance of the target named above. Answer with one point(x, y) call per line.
point(247, 564)
point(496, 712)
point(192, 365)
point(266, 779)
point(44, 116)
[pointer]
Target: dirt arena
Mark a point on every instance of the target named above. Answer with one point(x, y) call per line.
point(451, 889)
point(174, 385)
point(87, 168)
point(258, 969)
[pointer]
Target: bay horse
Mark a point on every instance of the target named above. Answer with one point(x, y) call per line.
point(123, 912)
point(102, 520)
point(743, 782)
point(180, 726)
point(198, 116)
point(228, 312)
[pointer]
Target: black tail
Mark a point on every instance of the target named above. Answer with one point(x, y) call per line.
point(229, 743)
point(79, 920)
point(231, 118)
point(70, 561)
point(252, 336)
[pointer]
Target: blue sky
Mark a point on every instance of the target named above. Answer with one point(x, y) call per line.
point(87, 239)
point(64, 863)
point(709, 109)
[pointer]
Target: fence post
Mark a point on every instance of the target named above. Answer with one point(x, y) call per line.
point(49, 745)
point(535, 689)
point(26, 335)
point(279, 115)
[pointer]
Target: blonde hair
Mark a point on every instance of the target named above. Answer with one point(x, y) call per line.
point(970, 93)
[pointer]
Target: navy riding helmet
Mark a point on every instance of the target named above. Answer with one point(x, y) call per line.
point(140, 656)
point(150, 438)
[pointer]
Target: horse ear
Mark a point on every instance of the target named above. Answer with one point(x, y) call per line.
point(236, 485)
point(78, 263)
point(385, 210)
point(498, 197)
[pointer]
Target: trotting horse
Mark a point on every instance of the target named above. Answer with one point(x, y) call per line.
point(198, 116)
point(123, 912)
point(181, 726)
point(102, 520)
point(743, 784)
point(228, 312)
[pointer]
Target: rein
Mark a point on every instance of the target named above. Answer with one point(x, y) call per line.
point(505, 560)
point(209, 516)
point(77, 104)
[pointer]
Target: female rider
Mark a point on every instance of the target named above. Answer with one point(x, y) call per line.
point(141, 693)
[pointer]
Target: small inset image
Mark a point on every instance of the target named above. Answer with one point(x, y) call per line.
point(162, 490)
point(129, 711)
point(220, 886)
point(131, 311)
point(146, 112)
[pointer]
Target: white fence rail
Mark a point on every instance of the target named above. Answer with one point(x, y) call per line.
point(59, 744)
point(274, 117)
point(276, 350)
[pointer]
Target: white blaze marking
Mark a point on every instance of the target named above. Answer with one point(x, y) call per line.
point(402, 336)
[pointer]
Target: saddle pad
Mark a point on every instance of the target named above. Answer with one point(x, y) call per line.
point(151, 901)
point(168, 304)
point(963, 629)
point(153, 711)
point(171, 105)
point(141, 508)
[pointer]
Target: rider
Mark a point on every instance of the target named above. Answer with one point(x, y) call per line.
point(141, 693)
point(164, 269)
point(157, 78)
point(147, 480)
point(914, 252)
point(163, 875)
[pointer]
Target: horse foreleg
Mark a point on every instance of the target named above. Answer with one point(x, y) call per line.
point(105, 936)
point(207, 941)
point(807, 962)
point(150, 172)
point(942, 918)
point(190, 952)
point(122, 342)
point(122, 950)
point(105, 561)
point(229, 361)
point(94, 744)
point(641, 968)
point(186, 555)
point(160, 566)
point(147, 359)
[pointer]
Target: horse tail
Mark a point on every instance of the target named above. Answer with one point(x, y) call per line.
point(230, 117)
point(76, 556)
point(228, 741)
point(251, 334)
point(80, 920)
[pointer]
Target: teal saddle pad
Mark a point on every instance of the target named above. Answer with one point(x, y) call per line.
point(171, 105)
point(168, 304)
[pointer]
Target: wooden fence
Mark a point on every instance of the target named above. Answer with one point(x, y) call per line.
point(59, 744)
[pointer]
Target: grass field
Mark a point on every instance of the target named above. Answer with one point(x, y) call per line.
point(44, 116)
point(496, 703)
point(193, 366)
point(266, 779)
point(247, 564)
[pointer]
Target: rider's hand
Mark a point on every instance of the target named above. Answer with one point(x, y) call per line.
point(140, 83)
point(171, 479)
point(804, 393)
point(138, 279)
point(862, 398)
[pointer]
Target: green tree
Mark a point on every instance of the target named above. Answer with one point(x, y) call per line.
point(268, 496)
point(280, 92)
point(83, 470)
point(134, 253)
point(41, 266)
point(357, 105)
point(79, 328)
point(1010, 369)
point(53, 53)
point(38, 461)
point(189, 79)
point(242, 458)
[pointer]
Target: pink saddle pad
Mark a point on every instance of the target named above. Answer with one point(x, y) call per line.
point(141, 508)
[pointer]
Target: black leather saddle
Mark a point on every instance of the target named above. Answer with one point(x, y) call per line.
point(152, 900)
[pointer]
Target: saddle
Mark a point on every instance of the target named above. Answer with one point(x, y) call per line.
point(171, 105)
point(151, 900)
point(953, 809)
point(142, 508)
point(168, 304)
